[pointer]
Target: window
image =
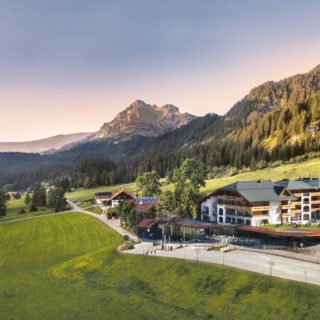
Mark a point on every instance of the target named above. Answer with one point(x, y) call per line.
point(306, 209)
point(306, 217)
point(221, 212)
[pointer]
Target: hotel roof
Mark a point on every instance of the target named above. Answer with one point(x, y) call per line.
point(261, 190)
point(313, 182)
point(294, 184)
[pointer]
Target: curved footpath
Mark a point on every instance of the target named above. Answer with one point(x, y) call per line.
point(112, 223)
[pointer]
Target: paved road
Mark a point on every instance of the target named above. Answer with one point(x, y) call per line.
point(258, 262)
point(112, 223)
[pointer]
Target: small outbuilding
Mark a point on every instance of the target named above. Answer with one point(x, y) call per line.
point(102, 197)
point(148, 229)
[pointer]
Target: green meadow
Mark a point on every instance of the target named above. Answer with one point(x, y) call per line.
point(67, 267)
point(86, 194)
point(14, 206)
point(288, 171)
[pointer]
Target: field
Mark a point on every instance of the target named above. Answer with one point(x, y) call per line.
point(289, 171)
point(85, 194)
point(14, 205)
point(66, 267)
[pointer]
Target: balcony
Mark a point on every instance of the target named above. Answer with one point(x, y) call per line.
point(262, 217)
point(288, 206)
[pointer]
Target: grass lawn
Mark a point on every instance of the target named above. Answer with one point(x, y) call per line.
point(85, 194)
point(96, 210)
point(66, 267)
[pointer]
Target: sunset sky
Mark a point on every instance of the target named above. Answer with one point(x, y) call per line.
point(70, 65)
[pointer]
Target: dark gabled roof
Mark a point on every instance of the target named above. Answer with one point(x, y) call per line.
point(294, 185)
point(146, 223)
point(129, 194)
point(103, 194)
point(253, 191)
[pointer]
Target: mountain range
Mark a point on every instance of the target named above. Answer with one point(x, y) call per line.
point(275, 121)
point(51, 144)
point(139, 119)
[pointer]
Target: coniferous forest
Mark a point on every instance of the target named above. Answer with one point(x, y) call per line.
point(275, 122)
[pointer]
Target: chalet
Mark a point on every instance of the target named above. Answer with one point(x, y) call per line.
point(254, 203)
point(305, 208)
point(102, 197)
point(250, 203)
point(122, 195)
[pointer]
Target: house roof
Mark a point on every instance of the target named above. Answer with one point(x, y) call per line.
point(146, 223)
point(196, 224)
point(281, 233)
point(123, 191)
point(294, 184)
point(103, 194)
point(253, 191)
point(145, 207)
point(143, 200)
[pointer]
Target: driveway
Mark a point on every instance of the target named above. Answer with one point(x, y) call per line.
point(281, 267)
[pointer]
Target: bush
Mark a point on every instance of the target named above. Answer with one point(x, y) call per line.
point(33, 208)
point(21, 211)
point(126, 237)
point(127, 246)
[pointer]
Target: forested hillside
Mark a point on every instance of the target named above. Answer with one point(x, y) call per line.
point(275, 121)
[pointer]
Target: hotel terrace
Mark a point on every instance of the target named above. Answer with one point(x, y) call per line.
point(255, 203)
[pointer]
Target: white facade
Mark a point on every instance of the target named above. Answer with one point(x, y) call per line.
point(212, 210)
point(208, 209)
point(115, 203)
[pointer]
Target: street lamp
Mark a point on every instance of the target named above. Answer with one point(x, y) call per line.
point(197, 252)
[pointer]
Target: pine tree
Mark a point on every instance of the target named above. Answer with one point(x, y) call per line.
point(3, 204)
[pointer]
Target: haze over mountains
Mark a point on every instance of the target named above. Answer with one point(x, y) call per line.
point(44, 145)
point(139, 119)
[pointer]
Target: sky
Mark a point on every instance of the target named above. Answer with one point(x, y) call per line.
point(70, 65)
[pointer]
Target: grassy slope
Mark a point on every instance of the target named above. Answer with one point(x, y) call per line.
point(85, 194)
point(66, 267)
point(290, 171)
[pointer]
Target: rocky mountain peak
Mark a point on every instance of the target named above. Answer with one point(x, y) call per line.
point(143, 119)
